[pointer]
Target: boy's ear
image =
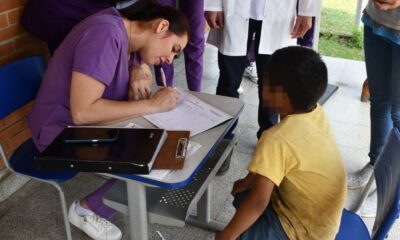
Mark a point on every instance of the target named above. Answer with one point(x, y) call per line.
point(162, 26)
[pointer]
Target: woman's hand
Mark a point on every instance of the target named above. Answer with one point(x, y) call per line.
point(387, 4)
point(301, 26)
point(140, 81)
point(165, 99)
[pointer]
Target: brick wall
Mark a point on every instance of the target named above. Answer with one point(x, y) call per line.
point(15, 43)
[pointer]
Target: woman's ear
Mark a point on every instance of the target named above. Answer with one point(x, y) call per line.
point(162, 26)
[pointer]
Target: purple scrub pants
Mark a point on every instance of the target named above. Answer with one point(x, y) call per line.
point(193, 53)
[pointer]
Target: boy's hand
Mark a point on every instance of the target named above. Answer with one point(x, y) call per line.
point(239, 186)
point(222, 236)
point(243, 184)
point(387, 4)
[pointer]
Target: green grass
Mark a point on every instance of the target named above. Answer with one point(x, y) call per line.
point(332, 46)
point(337, 16)
point(339, 38)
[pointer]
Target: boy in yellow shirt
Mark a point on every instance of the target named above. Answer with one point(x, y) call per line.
point(296, 184)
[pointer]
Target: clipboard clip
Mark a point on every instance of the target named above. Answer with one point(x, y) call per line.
point(181, 148)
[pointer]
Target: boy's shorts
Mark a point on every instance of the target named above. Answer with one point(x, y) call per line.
point(267, 225)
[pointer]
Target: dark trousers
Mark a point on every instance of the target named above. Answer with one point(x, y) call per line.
point(231, 72)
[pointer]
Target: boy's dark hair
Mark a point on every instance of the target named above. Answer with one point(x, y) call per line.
point(301, 73)
point(147, 10)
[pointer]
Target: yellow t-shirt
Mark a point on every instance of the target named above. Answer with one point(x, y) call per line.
point(301, 157)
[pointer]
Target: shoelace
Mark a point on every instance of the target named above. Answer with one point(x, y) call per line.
point(252, 70)
point(99, 222)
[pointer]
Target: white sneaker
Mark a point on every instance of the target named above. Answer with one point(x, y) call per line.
point(240, 90)
point(251, 72)
point(93, 225)
point(360, 178)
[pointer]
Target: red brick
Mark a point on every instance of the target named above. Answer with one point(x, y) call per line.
point(3, 21)
point(14, 16)
point(6, 5)
point(17, 115)
point(13, 143)
point(1, 164)
point(10, 32)
point(12, 130)
point(6, 49)
point(23, 41)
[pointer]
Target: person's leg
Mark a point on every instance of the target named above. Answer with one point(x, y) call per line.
point(266, 119)
point(168, 68)
point(231, 69)
point(308, 39)
point(89, 215)
point(395, 85)
point(194, 11)
point(378, 64)
point(251, 52)
point(267, 225)
point(95, 200)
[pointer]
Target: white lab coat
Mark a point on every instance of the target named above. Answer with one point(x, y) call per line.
point(278, 22)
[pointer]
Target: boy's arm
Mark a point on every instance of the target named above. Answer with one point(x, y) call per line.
point(243, 184)
point(250, 209)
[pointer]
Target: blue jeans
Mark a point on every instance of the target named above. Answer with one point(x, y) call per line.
point(382, 59)
point(267, 226)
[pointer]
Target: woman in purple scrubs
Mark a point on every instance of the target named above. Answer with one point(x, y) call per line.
point(87, 83)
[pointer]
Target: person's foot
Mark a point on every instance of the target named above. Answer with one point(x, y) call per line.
point(251, 72)
point(365, 91)
point(360, 178)
point(368, 209)
point(240, 90)
point(93, 225)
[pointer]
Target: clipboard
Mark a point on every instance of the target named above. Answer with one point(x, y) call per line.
point(173, 153)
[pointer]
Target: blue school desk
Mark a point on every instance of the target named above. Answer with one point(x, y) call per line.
point(168, 201)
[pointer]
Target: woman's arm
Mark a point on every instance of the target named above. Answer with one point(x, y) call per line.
point(250, 209)
point(88, 106)
point(387, 4)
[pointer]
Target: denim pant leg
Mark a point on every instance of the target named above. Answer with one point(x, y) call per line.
point(382, 59)
point(267, 226)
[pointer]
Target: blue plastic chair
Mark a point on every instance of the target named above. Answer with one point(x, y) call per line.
point(19, 83)
point(387, 177)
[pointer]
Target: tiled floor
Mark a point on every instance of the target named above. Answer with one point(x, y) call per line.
point(33, 212)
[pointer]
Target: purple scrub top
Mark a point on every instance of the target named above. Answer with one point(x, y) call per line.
point(97, 47)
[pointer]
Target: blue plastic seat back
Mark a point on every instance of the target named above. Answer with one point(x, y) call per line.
point(352, 227)
point(19, 83)
point(387, 176)
point(22, 161)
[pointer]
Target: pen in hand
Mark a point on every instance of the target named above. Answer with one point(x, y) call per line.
point(164, 80)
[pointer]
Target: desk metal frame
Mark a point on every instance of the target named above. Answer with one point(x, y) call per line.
point(136, 199)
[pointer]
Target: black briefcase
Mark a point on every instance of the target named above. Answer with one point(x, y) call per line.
point(109, 150)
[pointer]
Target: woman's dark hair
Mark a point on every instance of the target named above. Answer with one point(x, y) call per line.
point(302, 74)
point(147, 10)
